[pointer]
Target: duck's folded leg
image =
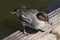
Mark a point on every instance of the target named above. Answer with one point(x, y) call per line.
point(41, 30)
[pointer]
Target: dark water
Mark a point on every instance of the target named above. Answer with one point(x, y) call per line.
point(55, 4)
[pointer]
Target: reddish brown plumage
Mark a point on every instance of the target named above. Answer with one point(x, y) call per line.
point(45, 17)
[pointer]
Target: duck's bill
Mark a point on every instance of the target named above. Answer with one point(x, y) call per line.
point(12, 12)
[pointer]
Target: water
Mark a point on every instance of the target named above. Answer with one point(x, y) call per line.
point(55, 4)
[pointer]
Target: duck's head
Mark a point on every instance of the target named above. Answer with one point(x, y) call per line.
point(20, 10)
